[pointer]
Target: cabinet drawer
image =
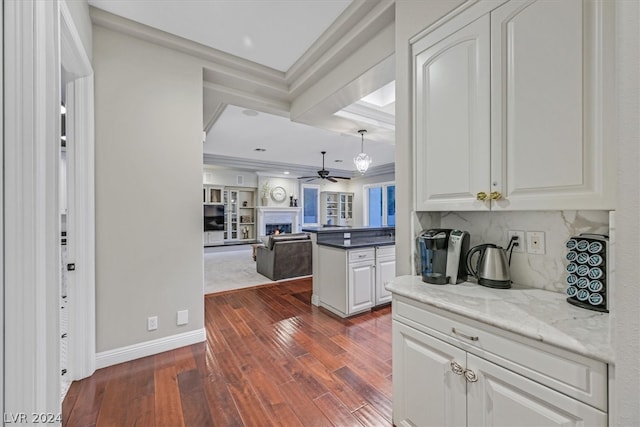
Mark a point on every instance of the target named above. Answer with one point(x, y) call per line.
point(386, 251)
point(361, 255)
point(574, 375)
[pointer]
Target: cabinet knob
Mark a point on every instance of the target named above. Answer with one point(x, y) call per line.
point(457, 368)
point(481, 196)
point(495, 195)
point(470, 376)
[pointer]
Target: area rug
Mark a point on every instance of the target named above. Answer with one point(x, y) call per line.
point(230, 267)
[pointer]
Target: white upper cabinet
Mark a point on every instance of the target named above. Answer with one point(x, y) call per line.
point(452, 118)
point(521, 124)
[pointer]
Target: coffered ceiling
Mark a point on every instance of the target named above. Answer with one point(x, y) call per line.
point(261, 54)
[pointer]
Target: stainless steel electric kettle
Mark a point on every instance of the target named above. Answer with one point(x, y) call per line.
point(491, 268)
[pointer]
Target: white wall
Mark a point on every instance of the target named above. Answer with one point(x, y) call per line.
point(148, 154)
point(626, 324)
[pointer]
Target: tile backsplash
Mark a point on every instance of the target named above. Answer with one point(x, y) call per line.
point(540, 271)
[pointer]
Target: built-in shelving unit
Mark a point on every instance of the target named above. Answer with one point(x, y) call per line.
point(337, 208)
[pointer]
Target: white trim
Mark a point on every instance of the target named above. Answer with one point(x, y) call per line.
point(317, 188)
point(2, 385)
point(31, 211)
point(149, 348)
point(365, 201)
point(81, 199)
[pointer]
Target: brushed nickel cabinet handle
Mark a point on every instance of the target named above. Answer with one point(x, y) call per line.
point(471, 338)
point(457, 368)
point(470, 376)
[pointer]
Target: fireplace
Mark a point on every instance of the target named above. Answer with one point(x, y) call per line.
point(287, 219)
point(282, 228)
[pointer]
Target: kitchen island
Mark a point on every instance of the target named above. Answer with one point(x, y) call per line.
point(351, 267)
point(503, 354)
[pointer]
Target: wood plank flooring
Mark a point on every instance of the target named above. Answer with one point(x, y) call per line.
point(271, 358)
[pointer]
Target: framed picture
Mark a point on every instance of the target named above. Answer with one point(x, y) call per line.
point(245, 218)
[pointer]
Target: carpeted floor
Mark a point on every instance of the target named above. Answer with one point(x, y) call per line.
point(230, 267)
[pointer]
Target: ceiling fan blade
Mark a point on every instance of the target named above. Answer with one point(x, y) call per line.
point(331, 179)
point(340, 177)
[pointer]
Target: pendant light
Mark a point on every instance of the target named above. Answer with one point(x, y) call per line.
point(362, 160)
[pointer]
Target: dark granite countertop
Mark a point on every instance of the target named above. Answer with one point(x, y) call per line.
point(334, 228)
point(359, 242)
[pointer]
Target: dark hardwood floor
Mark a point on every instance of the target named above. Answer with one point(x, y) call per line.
point(271, 358)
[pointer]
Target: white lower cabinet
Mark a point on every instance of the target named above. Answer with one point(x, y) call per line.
point(351, 281)
point(462, 376)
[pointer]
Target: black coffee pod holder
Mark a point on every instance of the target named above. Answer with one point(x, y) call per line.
point(587, 271)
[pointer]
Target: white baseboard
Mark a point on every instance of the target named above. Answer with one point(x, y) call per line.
point(148, 348)
point(315, 299)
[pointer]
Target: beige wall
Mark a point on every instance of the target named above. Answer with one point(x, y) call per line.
point(148, 166)
point(411, 18)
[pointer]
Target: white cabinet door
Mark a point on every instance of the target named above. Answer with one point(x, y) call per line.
point(426, 392)
point(503, 398)
point(361, 286)
point(452, 107)
point(385, 272)
point(548, 100)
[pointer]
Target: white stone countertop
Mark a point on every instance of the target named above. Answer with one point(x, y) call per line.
point(534, 313)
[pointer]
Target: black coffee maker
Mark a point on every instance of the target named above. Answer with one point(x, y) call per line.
point(434, 244)
point(442, 253)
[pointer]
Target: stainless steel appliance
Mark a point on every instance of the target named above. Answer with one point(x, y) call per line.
point(441, 251)
point(491, 268)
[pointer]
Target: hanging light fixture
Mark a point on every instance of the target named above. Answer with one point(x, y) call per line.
point(362, 160)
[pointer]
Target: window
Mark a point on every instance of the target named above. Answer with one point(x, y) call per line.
point(380, 204)
point(310, 204)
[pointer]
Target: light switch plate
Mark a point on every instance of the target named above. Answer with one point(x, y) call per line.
point(535, 242)
point(183, 317)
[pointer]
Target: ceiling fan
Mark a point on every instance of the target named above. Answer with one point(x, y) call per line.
point(323, 173)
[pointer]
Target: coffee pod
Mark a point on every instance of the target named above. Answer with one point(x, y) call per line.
point(595, 286)
point(582, 245)
point(572, 279)
point(571, 244)
point(572, 267)
point(595, 247)
point(594, 273)
point(582, 258)
point(582, 295)
point(571, 256)
point(582, 282)
point(583, 270)
point(596, 299)
point(595, 260)
point(572, 291)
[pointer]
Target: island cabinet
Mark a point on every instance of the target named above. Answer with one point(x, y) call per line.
point(512, 108)
point(351, 281)
point(450, 371)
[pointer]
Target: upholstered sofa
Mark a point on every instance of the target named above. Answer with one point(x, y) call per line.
point(285, 256)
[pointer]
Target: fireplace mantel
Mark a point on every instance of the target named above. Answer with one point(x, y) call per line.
point(272, 214)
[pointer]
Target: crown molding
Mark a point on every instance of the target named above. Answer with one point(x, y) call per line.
point(262, 167)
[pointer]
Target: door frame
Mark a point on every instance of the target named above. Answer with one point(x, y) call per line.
point(80, 199)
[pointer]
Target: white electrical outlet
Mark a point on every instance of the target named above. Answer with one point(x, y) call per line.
point(183, 317)
point(152, 323)
point(535, 242)
point(521, 242)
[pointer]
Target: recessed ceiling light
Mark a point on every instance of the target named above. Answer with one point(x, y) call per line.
point(260, 149)
point(286, 172)
point(250, 113)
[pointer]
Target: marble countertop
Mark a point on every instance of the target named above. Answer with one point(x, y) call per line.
point(359, 242)
point(534, 313)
